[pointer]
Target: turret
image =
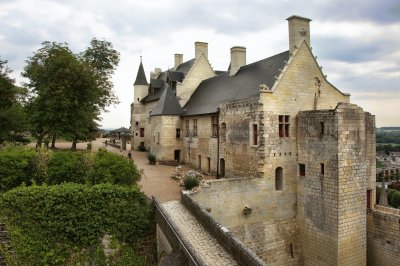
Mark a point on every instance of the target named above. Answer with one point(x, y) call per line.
point(141, 85)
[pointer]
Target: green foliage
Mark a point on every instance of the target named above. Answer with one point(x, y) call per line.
point(69, 166)
point(152, 158)
point(16, 166)
point(50, 225)
point(378, 194)
point(142, 148)
point(191, 179)
point(12, 114)
point(22, 165)
point(380, 164)
point(69, 91)
point(113, 168)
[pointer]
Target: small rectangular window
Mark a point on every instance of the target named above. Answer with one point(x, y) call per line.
point(186, 128)
point(322, 169)
point(284, 126)
point(158, 137)
point(137, 123)
point(141, 132)
point(195, 128)
point(208, 165)
point(178, 133)
point(302, 169)
point(214, 126)
point(322, 128)
point(255, 134)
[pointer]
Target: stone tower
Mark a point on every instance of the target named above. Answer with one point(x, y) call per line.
point(140, 89)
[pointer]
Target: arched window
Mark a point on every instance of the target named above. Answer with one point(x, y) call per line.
point(279, 178)
point(223, 132)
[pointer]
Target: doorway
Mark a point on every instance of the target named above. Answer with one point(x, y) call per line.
point(222, 167)
point(177, 154)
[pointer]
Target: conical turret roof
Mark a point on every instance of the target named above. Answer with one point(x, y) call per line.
point(141, 76)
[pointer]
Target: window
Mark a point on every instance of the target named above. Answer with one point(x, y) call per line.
point(322, 128)
point(322, 169)
point(279, 178)
point(158, 137)
point(178, 133)
point(255, 134)
point(186, 128)
point(208, 165)
point(223, 132)
point(141, 132)
point(284, 126)
point(214, 125)
point(302, 170)
point(137, 123)
point(195, 128)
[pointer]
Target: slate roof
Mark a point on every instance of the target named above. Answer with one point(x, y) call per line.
point(178, 75)
point(157, 93)
point(141, 76)
point(245, 84)
point(168, 104)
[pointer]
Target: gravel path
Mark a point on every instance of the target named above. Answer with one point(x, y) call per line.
point(205, 244)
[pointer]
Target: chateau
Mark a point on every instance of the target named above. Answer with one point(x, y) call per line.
point(296, 160)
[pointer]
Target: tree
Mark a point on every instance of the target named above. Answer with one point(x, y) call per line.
point(70, 90)
point(12, 113)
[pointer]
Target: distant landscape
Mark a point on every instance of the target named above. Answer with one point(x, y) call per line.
point(388, 139)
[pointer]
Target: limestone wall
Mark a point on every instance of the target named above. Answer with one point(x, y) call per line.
point(164, 142)
point(202, 147)
point(270, 230)
point(141, 114)
point(383, 236)
point(242, 158)
point(331, 196)
point(200, 71)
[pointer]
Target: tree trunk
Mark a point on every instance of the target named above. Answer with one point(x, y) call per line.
point(73, 147)
point(40, 140)
point(53, 142)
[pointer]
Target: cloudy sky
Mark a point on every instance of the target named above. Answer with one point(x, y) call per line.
point(357, 42)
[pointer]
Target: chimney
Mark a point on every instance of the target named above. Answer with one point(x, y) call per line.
point(178, 60)
point(154, 74)
point(238, 59)
point(201, 48)
point(299, 29)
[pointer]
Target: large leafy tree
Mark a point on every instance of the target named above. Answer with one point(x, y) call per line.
point(12, 114)
point(70, 90)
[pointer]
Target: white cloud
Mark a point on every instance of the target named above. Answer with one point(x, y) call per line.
point(358, 47)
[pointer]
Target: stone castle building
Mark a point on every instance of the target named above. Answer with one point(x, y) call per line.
point(296, 157)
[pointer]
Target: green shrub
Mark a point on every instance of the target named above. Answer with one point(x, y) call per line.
point(69, 166)
point(151, 158)
point(49, 225)
point(16, 166)
point(191, 179)
point(113, 169)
